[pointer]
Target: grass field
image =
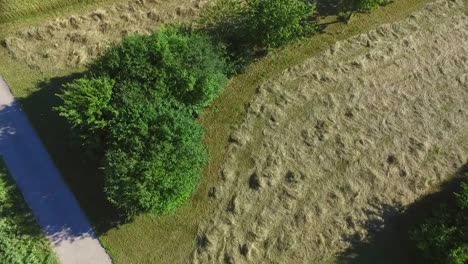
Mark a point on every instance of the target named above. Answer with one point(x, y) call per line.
point(21, 240)
point(165, 239)
point(336, 148)
point(12, 10)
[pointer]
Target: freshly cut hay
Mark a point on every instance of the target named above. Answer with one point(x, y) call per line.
point(82, 38)
point(333, 150)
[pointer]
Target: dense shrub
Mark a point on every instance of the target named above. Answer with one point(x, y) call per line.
point(155, 158)
point(21, 240)
point(137, 106)
point(87, 106)
point(175, 63)
point(246, 26)
point(443, 238)
point(273, 23)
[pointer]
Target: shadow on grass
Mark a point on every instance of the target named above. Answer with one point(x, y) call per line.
point(81, 174)
point(13, 209)
point(328, 7)
point(391, 244)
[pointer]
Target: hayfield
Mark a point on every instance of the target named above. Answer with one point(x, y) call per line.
point(35, 78)
point(73, 41)
point(332, 151)
point(11, 10)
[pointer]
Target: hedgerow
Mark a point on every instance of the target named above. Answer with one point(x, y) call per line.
point(135, 111)
point(155, 158)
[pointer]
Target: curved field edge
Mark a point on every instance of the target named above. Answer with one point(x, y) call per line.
point(170, 239)
point(21, 240)
point(332, 150)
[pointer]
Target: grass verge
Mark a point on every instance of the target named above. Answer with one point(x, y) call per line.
point(21, 239)
point(171, 238)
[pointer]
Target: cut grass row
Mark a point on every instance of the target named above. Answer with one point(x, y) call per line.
point(21, 239)
point(11, 10)
point(16, 14)
point(171, 238)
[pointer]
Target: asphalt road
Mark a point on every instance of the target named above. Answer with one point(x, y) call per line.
point(54, 206)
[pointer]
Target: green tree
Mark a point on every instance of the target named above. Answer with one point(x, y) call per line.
point(274, 23)
point(175, 63)
point(247, 26)
point(155, 160)
point(88, 108)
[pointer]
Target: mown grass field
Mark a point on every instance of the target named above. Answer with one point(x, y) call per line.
point(165, 239)
point(12, 10)
point(21, 239)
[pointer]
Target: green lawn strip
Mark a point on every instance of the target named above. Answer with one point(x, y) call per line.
point(21, 239)
point(171, 238)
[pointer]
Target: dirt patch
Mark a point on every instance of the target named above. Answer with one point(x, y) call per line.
point(331, 151)
point(76, 40)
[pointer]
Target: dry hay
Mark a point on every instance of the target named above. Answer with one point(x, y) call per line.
point(333, 149)
point(75, 40)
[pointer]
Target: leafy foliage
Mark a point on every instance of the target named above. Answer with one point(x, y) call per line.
point(137, 106)
point(174, 63)
point(246, 26)
point(87, 106)
point(154, 166)
point(21, 240)
point(273, 23)
point(443, 238)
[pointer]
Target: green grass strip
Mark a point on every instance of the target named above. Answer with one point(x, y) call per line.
point(21, 239)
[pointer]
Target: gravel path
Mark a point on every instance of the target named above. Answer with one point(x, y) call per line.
point(52, 203)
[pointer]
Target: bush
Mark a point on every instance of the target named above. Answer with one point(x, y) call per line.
point(87, 106)
point(246, 26)
point(443, 238)
point(136, 108)
point(21, 239)
point(274, 23)
point(155, 160)
point(175, 63)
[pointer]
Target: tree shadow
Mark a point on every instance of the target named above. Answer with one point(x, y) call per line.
point(15, 211)
point(391, 243)
point(328, 7)
point(82, 174)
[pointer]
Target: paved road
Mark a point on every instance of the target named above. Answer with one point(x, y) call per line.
point(52, 203)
